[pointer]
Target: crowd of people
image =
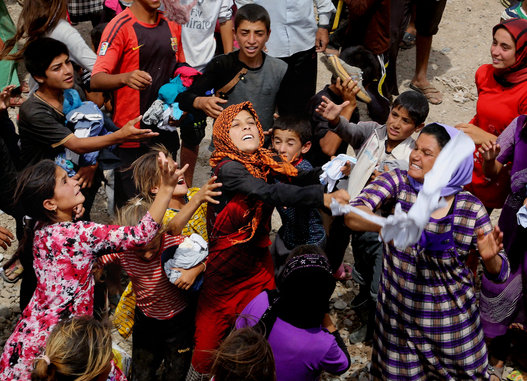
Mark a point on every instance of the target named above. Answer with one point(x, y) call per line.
point(211, 293)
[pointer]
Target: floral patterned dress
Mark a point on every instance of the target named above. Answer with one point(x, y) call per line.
point(64, 254)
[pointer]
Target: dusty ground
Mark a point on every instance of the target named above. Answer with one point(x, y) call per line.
point(460, 47)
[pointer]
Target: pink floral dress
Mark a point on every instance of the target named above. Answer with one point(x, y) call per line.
point(64, 254)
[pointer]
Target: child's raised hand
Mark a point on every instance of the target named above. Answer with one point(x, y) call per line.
point(208, 191)
point(348, 91)
point(329, 110)
point(489, 150)
point(169, 171)
point(489, 246)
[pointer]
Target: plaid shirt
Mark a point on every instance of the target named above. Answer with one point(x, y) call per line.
point(427, 320)
point(78, 8)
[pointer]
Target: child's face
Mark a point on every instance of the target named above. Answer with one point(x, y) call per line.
point(67, 193)
point(399, 125)
point(150, 5)
point(287, 143)
point(252, 37)
point(59, 74)
point(244, 132)
point(502, 50)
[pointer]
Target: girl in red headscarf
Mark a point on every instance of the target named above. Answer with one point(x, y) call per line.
point(239, 265)
point(502, 96)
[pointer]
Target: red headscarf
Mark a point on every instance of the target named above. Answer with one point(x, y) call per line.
point(260, 163)
point(516, 73)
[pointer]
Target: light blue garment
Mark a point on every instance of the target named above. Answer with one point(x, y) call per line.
point(88, 121)
point(191, 251)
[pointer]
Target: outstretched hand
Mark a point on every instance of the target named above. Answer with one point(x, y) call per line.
point(329, 110)
point(168, 168)
point(478, 135)
point(208, 191)
point(489, 150)
point(489, 246)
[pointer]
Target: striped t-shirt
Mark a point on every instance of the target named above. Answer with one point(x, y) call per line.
point(156, 296)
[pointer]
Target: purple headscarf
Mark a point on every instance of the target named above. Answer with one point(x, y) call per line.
point(461, 176)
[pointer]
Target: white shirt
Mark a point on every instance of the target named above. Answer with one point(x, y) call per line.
point(293, 23)
point(197, 35)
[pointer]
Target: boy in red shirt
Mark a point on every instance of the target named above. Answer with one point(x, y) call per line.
point(139, 52)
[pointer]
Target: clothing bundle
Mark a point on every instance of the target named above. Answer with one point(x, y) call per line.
point(165, 106)
point(331, 170)
point(87, 120)
point(189, 253)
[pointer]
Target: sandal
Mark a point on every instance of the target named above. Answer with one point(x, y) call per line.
point(496, 372)
point(343, 273)
point(13, 272)
point(432, 94)
point(408, 41)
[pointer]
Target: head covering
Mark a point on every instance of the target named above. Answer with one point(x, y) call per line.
point(306, 285)
point(516, 73)
point(461, 176)
point(260, 163)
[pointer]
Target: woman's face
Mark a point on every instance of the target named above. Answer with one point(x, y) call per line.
point(503, 49)
point(423, 156)
point(244, 132)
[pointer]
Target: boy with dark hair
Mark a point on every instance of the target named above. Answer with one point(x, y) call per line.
point(244, 75)
point(380, 148)
point(43, 133)
point(139, 52)
point(291, 137)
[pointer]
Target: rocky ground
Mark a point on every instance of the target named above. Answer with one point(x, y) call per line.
point(460, 47)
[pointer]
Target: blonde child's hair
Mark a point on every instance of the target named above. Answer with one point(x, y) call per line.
point(146, 171)
point(79, 349)
point(132, 212)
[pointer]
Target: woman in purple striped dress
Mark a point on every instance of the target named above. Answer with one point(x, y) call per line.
point(427, 320)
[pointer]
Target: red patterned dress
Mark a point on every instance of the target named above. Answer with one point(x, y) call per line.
point(64, 254)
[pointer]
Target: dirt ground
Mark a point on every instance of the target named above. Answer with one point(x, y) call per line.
point(460, 47)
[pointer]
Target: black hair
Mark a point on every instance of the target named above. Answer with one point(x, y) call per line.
point(35, 184)
point(415, 103)
point(438, 132)
point(300, 125)
point(305, 293)
point(40, 53)
point(252, 13)
point(96, 34)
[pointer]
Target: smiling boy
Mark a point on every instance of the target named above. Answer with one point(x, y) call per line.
point(380, 148)
point(259, 83)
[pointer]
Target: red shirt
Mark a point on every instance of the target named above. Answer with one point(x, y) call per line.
point(497, 106)
point(127, 45)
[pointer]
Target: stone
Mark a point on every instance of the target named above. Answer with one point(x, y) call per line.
point(340, 305)
point(348, 323)
point(5, 312)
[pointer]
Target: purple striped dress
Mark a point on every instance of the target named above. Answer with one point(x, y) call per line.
point(427, 320)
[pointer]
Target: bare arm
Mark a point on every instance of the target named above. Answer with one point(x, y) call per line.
point(137, 80)
point(127, 133)
point(227, 36)
point(358, 223)
point(490, 151)
point(205, 194)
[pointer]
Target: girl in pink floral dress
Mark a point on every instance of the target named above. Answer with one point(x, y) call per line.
point(64, 252)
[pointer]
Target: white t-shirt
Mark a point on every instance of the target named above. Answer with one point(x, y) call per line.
point(197, 35)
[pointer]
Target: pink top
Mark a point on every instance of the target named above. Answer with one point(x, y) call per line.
point(64, 254)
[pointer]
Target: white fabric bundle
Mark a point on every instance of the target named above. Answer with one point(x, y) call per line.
point(331, 170)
